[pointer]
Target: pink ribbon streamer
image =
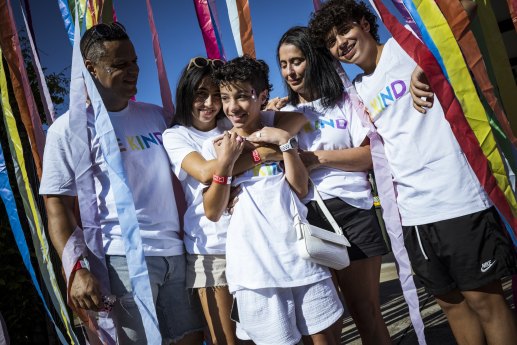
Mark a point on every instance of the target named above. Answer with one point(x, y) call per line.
point(165, 89)
point(207, 29)
point(390, 212)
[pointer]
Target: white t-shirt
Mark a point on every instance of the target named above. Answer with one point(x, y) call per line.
point(139, 129)
point(431, 174)
point(202, 236)
point(261, 242)
point(334, 128)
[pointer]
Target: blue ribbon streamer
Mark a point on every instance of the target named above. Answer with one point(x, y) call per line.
point(67, 19)
point(12, 212)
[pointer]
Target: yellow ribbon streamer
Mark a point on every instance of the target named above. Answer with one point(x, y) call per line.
point(465, 91)
point(29, 203)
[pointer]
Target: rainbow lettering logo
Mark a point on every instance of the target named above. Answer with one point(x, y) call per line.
point(325, 123)
point(140, 142)
point(383, 100)
point(267, 169)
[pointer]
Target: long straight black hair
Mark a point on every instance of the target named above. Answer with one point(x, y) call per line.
point(321, 79)
point(186, 91)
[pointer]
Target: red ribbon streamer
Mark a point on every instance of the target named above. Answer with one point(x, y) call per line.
point(453, 112)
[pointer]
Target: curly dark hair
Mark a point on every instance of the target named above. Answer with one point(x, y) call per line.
point(321, 79)
point(336, 13)
point(245, 69)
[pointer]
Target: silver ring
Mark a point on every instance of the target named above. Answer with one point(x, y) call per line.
point(259, 134)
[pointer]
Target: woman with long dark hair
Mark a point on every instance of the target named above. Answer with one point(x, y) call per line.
point(335, 150)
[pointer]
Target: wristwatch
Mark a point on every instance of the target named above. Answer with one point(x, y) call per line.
point(292, 143)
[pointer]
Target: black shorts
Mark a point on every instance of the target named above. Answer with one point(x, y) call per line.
point(360, 226)
point(464, 253)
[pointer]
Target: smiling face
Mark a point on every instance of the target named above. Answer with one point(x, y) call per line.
point(206, 105)
point(242, 105)
point(353, 43)
point(292, 65)
point(116, 73)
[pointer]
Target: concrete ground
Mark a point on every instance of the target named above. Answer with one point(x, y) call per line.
point(396, 316)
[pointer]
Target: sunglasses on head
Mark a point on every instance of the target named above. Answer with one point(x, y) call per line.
point(103, 30)
point(201, 62)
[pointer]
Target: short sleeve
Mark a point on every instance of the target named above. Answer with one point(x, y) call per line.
point(267, 118)
point(178, 145)
point(58, 176)
point(357, 131)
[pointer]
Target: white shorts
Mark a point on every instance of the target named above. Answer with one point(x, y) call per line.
point(282, 315)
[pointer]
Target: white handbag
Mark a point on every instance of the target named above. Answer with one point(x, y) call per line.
point(319, 245)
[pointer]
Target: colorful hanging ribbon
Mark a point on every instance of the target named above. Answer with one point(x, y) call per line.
point(453, 112)
point(48, 106)
point(317, 4)
point(390, 212)
point(399, 5)
point(459, 23)
point(165, 89)
point(204, 17)
point(93, 11)
point(91, 236)
point(217, 27)
point(428, 17)
point(6, 193)
point(10, 45)
point(240, 21)
point(499, 63)
point(38, 236)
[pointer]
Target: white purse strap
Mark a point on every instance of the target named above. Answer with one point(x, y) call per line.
point(325, 210)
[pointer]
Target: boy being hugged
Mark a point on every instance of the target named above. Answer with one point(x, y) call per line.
point(280, 296)
point(453, 235)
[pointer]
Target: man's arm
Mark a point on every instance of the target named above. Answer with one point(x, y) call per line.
point(84, 288)
point(351, 159)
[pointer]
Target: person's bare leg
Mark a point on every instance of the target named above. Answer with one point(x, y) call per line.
point(325, 337)
point(359, 284)
point(217, 304)
point(464, 323)
point(495, 316)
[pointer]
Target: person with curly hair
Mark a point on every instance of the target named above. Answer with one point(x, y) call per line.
point(335, 150)
point(453, 235)
point(280, 296)
point(199, 117)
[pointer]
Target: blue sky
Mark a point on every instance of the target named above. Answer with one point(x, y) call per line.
point(179, 33)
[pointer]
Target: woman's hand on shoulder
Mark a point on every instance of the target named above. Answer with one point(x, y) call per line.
point(277, 103)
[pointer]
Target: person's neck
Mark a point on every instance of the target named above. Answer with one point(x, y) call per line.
point(114, 105)
point(248, 130)
point(204, 126)
point(305, 98)
point(369, 66)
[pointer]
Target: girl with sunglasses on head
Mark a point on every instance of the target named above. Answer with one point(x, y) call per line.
point(335, 150)
point(198, 117)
